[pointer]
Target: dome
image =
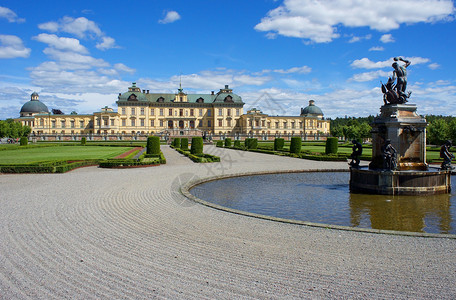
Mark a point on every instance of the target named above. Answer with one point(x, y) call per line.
point(34, 106)
point(312, 110)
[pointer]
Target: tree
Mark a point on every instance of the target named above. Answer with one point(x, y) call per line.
point(438, 132)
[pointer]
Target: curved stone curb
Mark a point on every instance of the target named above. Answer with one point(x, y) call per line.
point(185, 190)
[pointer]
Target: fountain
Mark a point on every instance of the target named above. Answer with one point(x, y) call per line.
point(398, 164)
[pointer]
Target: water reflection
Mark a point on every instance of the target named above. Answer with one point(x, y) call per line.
point(325, 198)
point(404, 213)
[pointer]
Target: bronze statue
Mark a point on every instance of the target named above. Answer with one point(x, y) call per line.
point(394, 89)
point(357, 151)
point(447, 156)
point(389, 156)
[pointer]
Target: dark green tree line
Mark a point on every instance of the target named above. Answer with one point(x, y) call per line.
point(11, 129)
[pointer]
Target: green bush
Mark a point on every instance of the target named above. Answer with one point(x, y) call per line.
point(177, 142)
point(227, 142)
point(219, 143)
point(237, 144)
point(278, 144)
point(332, 145)
point(295, 145)
point(184, 144)
point(153, 145)
point(24, 141)
point(83, 141)
point(197, 145)
point(251, 143)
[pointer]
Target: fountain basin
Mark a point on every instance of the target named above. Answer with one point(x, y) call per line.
point(409, 182)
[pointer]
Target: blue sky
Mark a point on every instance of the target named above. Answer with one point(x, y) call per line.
point(277, 55)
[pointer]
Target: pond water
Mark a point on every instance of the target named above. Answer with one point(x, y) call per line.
point(325, 198)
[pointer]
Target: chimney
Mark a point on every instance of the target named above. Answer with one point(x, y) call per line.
point(226, 86)
point(212, 92)
point(144, 91)
point(148, 91)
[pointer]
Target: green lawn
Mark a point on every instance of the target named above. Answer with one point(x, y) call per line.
point(28, 155)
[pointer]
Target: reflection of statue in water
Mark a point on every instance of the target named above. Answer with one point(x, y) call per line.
point(389, 156)
point(394, 93)
point(447, 156)
point(357, 151)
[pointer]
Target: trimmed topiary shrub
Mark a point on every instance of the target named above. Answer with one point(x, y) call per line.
point(237, 144)
point(83, 141)
point(278, 144)
point(295, 145)
point(219, 144)
point(177, 142)
point(251, 143)
point(332, 145)
point(227, 142)
point(197, 145)
point(184, 144)
point(24, 141)
point(153, 145)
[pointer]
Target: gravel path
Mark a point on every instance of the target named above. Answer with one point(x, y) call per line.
point(128, 233)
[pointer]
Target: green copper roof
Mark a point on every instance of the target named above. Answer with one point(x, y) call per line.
point(34, 106)
point(312, 109)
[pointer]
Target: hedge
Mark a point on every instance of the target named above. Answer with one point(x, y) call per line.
point(115, 163)
point(24, 141)
point(83, 141)
point(153, 145)
point(251, 143)
point(197, 145)
point(227, 142)
point(219, 144)
point(177, 142)
point(332, 144)
point(161, 157)
point(184, 144)
point(60, 166)
point(278, 144)
point(295, 145)
point(202, 158)
point(237, 144)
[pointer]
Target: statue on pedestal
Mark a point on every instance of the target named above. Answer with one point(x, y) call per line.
point(447, 156)
point(394, 89)
point(357, 151)
point(389, 156)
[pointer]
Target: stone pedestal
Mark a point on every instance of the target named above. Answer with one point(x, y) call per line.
point(407, 131)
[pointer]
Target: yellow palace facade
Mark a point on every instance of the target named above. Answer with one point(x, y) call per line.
point(141, 113)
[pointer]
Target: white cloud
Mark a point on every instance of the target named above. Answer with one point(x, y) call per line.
point(355, 39)
point(301, 70)
point(82, 28)
point(377, 49)
point(366, 63)
point(434, 66)
point(10, 15)
point(61, 43)
point(171, 16)
point(387, 38)
point(107, 43)
point(11, 46)
point(368, 76)
point(317, 20)
point(124, 68)
point(75, 58)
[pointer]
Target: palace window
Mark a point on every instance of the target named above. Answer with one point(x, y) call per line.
point(63, 124)
point(81, 124)
point(170, 112)
point(123, 111)
point(237, 112)
point(228, 123)
point(220, 123)
point(142, 122)
point(133, 111)
point(191, 112)
point(112, 122)
point(152, 112)
point(292, 125)
point(72, 124)
point(124, 122)
point(142, 111)
point(181, 112)
point(220, 112)
point(228, 112)
point(200, 112)
point(133, 122)
point(200, 123)
point(277, 124)
point(263, 122)
point(161, 112)
point(105, 122)
point(41, 122)
point(209, 123)
point(285, 125)
point(152, 123)
point(209, 112)
point(161, 123)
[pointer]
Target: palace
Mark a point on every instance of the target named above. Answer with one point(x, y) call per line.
point(141, 113)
